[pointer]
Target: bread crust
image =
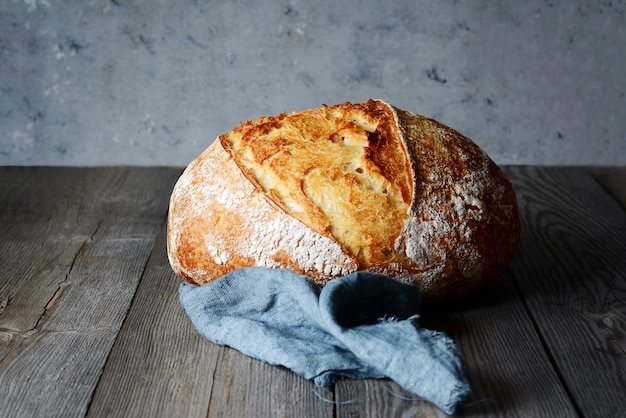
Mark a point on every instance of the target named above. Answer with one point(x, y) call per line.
point(460, 230)
point(464, 225)
point(219, 221)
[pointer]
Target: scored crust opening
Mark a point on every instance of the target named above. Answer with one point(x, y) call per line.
point(341, 170)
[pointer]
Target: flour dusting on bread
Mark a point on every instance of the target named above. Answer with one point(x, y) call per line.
point(342, 188)
point(219, 222)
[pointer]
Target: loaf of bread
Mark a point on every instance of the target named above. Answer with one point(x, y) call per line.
point(329, 191)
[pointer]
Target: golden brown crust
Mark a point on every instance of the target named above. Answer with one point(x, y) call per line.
point(341, 170)
point(342, 188)
point(218, 222)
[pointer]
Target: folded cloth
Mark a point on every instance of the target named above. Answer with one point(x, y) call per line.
point(359, 326)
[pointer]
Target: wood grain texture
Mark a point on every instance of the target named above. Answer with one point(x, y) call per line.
point(498, 342)
point(159, 365)
point(612, 179)
point(379, 398)
point(245, 387)
point(571, 269)
point(509, 371)
point(51, 362)
point(90, 322)
point(44, 222)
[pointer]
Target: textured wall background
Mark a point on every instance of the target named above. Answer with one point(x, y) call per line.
point(154, 82)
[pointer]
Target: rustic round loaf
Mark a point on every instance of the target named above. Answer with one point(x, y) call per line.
point(329, 191)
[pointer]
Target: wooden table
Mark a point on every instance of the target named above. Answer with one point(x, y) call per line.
point(90, 322)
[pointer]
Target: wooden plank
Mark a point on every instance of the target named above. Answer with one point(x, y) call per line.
point(161, 366)
point(102, 280)
point(379, 398)
point(51, 368)
point(571, 269)
point(72, 341)
point(245, 387)
point(41, 229)
point(47, 215)
point(497, 339)
point(613, 179)
point(52, 373)
point(78, 239)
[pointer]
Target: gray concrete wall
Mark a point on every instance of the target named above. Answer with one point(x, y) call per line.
point(154, 82)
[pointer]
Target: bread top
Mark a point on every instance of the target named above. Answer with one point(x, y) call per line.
point(341, 170)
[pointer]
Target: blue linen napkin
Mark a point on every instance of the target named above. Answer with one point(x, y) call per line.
point(359, 326)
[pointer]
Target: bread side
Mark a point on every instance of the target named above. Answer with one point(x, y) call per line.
point(464, 226)
point(219, 221)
